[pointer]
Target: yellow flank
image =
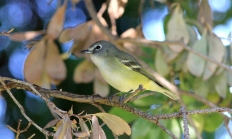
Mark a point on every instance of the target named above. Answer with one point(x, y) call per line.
point(124, 79)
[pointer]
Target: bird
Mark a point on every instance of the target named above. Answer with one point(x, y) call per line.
point(121, 70)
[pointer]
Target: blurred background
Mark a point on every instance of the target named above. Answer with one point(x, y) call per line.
point(27, 15)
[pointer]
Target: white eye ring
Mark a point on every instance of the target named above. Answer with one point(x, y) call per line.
point(98, 47)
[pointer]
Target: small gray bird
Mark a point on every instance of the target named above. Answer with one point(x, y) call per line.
point(123, 71)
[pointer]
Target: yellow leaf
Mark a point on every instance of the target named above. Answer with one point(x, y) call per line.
point(115, 123)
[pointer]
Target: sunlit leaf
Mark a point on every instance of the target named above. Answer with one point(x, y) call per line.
point(116, 8)
point(205, 13)
point(97, 131)
point(221, 84)
point(216, 52)
point(84, 72)
point(160, 64)
point(28, 35)
point(115, 123)
point(177, 29)
point(196, 64)
point(212, 121)
point(56, 23)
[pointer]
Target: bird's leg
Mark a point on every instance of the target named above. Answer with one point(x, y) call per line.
point(140, 88)
point(123, 97)
point(142, 96)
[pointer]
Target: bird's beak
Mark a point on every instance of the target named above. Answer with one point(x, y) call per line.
point(87, 51)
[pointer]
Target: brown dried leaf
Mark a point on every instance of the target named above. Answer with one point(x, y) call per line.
point(116, 8)
point(177, 29)
point(216, 51)
point(97, 131)
point(115, 123)
point(196, 64)
point(64, 130)
point(56, 23)
point(78, 33)
point(81, 134)
point(160, 64)
point(84, 72)
point(54, 65)
point(101, 88)
point(20, 36)
point(34, 64)
point(52, 123)
point(205, 13)
point(84, 127)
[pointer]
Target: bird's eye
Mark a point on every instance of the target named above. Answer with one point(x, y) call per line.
point(98, 47)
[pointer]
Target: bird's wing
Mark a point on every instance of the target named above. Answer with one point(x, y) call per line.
point(134, 65)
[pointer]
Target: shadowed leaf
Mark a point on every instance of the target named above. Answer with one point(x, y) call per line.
point(84, 72)
point(205, 13)
point(221, 84)
point(54, 65)
point(160, 64)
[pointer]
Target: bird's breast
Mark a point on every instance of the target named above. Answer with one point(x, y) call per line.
point(118, 75)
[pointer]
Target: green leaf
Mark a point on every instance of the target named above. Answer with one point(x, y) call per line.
point(221, 84)
point(212, 122)
point(216, 51)
point(201, 88)
point(127, 116)
point(160, 64)
point(141, 129)
point(180, 62)
point(192, 35)
point(177, 29)
point(196, 64)
point(229, 78)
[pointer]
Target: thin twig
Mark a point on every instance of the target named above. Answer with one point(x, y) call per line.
point(23, 111)
point(166, 130)
point(140, 88)
point(185, 122)
point(93, 14)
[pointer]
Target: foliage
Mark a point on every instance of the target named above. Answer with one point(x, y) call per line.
point(192, 56)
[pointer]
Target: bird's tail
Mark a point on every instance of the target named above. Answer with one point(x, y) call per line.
point(154, 87)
